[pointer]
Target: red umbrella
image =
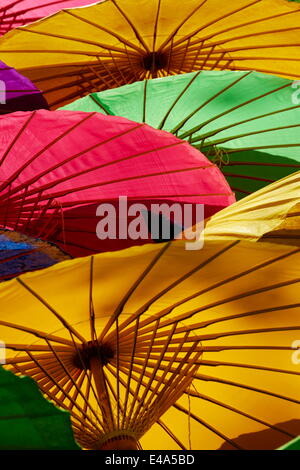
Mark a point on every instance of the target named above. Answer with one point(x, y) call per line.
point(15, 13)
point(57, 167)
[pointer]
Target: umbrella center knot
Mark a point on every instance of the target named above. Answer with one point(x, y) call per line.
point(90, 350)
point(155, 61)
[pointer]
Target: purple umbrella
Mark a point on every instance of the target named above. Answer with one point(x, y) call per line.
point(18, 93)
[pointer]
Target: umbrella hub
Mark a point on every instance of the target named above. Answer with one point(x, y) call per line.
point(91, 350)
point(118, 440)
point(155, 61)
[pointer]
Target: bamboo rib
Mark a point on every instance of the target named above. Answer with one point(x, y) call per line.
point(226, 112)
point(201, 292)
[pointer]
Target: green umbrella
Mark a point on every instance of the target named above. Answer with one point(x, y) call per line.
point(292, 445)
point(247, 122)
point(28, 421)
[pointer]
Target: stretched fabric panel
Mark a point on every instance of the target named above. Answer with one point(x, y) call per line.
point(246, 122)
point(14, 13)
point(162, 347)
point(56, 168)
point(271, 214)
point(117, 42)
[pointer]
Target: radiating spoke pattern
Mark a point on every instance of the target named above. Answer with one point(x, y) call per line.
point(192, 347)
point(72, 162)
point(245, 122)
point(135, 42)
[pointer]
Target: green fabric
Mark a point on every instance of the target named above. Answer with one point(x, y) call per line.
point(292, 445)
point(209, 108)
point(28, 421)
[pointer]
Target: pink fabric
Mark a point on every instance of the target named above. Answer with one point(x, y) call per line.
point(15, 13)
point(57, 167)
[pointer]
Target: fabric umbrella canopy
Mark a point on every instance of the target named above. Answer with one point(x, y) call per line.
point(117, 42)
point(14, 13)
point(166, 347)
point(28, 421)
point(18, 93)
point(246, 122)
point(271, 214)
point(56, 168)
point(20, 254)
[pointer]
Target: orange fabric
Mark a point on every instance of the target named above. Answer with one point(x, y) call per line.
point(120, 41)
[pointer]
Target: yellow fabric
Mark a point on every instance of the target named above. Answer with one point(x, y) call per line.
point(106, 45)
point(271, 214)
point(239, 300)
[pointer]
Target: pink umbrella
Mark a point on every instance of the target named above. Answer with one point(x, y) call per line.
point(14, 13)
point(56, 168)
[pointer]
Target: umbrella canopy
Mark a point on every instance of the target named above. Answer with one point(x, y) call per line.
point(172, 348)
point(28, 421)
point(57, 167)
point(19, 254)
point(271, 214)
point(14, 13)
point(116, 42)
point(246, 122)
point(18, 93)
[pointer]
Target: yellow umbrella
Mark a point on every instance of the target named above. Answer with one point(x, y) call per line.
point(164, 348)
point(270, 214)
point(114, 42)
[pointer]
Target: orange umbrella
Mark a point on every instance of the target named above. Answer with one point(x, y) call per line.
point(164, 348)
point(115, 42)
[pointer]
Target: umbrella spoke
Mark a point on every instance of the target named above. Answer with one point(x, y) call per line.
point(132, 358)
point(17, 136)
point(227, 111)
point(74, 383)
point(247, 134)
point(171, 434)
point(73, 157)
point(134, 29)
point(127, 296)
point(204, 324)
point(87, 422)
point(186, 315)
point(209, 100)
point(177, 282)
point(242, 413)
point(208, 426)
point(254, 118)
point(37, 333)
point(108, 47)
point(207, 378)
point(248, 366)
point(123, 40)
point(35, 156)
point(63, 321)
